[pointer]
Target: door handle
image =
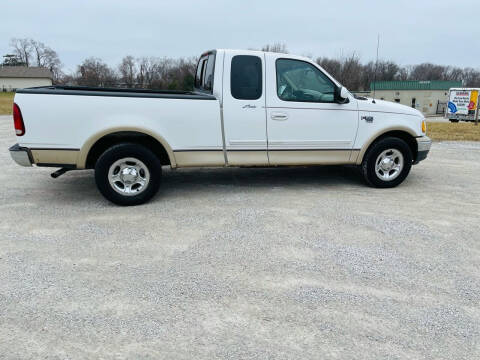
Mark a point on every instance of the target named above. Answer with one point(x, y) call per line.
point(279, 116)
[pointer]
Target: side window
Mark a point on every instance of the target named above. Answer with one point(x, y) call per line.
point(205, 73)
point(246, 77)
point(209, 69)
point(198, 75)
point(300, 81)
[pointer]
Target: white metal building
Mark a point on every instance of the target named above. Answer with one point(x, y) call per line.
point(18, 77)
point(430, 96)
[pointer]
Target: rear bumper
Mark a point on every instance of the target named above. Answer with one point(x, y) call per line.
point(424, 144)
point(21, 155)
point(51, 157)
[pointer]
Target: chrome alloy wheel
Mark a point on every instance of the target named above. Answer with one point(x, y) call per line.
point(128, 176)
point(389, 164)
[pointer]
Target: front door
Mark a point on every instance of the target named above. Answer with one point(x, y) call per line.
point(304, 123)
point(244, 109)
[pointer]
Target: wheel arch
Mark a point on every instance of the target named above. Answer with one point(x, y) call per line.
point(100, 141)
point(405, 134)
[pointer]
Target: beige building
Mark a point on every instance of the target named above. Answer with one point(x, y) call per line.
point(430, 97)
point(18, 77)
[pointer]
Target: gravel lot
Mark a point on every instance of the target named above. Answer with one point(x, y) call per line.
point(303, 263)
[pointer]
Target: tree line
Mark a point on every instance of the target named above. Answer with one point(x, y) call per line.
point(355, 75)
point(179, 74)
point(143, 72)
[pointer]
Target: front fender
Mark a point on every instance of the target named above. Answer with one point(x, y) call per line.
point(393, 130)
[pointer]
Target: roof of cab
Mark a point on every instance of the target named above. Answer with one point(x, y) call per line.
point(258, 52)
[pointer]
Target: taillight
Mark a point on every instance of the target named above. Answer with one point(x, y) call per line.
point(18, 120)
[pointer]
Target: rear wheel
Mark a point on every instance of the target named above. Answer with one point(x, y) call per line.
point(128, 174)
point(454, 120)
point(387, 163)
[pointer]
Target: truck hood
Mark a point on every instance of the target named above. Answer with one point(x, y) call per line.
point(387, 107)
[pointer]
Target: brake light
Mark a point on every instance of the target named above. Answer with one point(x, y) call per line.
point(18, 121)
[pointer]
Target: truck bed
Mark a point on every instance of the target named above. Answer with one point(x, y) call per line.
point(116, 92)
point(79, 115)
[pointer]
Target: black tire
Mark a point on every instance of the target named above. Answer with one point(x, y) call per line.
point(368, 164)
point(454, 120)
point(128, 150)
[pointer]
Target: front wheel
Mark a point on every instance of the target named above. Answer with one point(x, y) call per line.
point(454, 120)
point(128, 174)
point(387, 163)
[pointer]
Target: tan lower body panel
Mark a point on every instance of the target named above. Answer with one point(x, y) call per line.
point(216, 158)
point(247, 158)
point(354, 156)
point(199, 158)
point(309, 157)
point(53, 156)
point(259, 157)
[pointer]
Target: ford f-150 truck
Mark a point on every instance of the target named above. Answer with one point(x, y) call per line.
point(248, 108)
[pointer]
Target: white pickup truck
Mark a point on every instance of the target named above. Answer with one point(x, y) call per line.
point(248, 108)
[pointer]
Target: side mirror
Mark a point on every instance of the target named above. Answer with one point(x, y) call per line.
point(341, 95)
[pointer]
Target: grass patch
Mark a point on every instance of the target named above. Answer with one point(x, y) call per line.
point(453, 131)
point(6, 102)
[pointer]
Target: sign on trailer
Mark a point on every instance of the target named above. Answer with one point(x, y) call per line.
point(462, 104)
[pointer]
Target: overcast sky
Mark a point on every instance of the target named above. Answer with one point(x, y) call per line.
point(438, 31)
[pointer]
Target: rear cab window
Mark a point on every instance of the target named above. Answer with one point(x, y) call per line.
point(205, 73)
point(246, 77)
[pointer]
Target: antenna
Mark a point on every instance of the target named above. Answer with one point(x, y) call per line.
point(375, 73)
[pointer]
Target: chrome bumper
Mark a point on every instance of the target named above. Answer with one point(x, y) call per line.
point(424, 144)
point(21, 155)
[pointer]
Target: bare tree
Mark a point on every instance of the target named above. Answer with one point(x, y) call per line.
point(46, 57)
point(147, 69)
point(347, 70)
point(30, 52)
point(332, 66)
point(184, 71)
point(404, 73)
point(166, 73)
point(471, 77)
point(351, 69)
point(22, 49)
point(387, 70)
point(128, 71)
point(52, 62)
point(454, 73)
point(275, 47)
point(427, 71)
point(38, 49)
point(94, 72)
point(177, 74)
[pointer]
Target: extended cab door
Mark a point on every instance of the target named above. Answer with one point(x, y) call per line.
point(304, 123)
point(244, 108)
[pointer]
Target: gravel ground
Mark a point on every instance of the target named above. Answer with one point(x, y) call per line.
point(290, 263)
